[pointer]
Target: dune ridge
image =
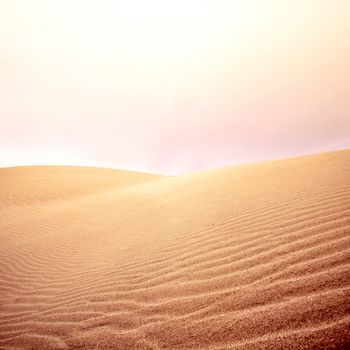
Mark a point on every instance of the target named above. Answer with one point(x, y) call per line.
point(254, 256)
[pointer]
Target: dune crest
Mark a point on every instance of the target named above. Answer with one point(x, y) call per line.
point(249, 257)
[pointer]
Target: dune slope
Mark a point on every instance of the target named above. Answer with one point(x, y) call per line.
point(247, 257)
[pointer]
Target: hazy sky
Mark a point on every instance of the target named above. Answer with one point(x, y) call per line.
point(172, 85)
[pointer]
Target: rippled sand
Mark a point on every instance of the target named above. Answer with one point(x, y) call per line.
point(247, 257)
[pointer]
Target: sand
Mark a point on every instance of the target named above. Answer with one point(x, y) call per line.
point(246, 257)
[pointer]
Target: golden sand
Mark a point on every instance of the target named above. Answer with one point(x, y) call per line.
point(247, 257)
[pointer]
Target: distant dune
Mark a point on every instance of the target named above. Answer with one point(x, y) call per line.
point(248, 257)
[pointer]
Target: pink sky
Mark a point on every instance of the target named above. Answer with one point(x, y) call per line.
point(172, 86)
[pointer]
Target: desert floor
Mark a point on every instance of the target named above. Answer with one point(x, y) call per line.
point(247, 257)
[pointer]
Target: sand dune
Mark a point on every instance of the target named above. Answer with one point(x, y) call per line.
point(247, 257)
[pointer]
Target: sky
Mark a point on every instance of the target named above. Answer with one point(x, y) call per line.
point(171, 86)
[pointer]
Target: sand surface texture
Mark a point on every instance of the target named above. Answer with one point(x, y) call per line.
point(247, 257)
